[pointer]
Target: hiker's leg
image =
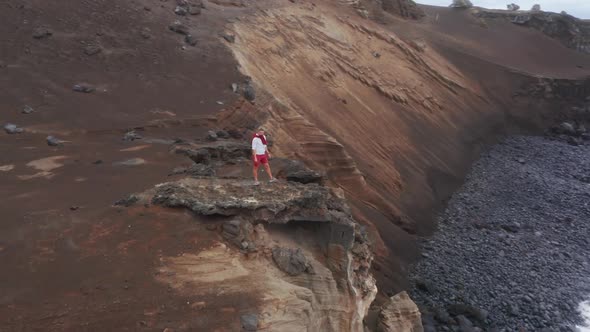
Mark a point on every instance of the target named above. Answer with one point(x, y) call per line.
point(268, 171)
point(255, 171)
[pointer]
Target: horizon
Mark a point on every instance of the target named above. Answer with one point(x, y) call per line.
point(575, 8)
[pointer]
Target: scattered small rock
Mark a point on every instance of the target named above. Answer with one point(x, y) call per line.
point(222, 134)
point(130, 162)
point(181, 10)
point(211, 135)
point(92, 50)
point(53, 141)
point(178, 27)
point(127, 201)
point(146, 33)
point(229, 38)
point(12, 129)
point(41, 32)
point(131, 135)
point(83, 87)
point(249, 322)
point(189, 39)
point(27, 110)
point(234, 87)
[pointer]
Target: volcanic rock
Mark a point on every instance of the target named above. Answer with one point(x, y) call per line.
point(291, 261)
point(400, 313)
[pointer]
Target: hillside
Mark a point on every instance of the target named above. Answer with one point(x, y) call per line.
point(384, 106)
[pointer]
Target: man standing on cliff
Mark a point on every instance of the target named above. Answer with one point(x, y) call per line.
point(260, 155)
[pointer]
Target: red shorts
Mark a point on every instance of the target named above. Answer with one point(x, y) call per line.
point(261, 159)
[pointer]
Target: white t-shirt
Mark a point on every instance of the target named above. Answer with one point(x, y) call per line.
point(258, 147)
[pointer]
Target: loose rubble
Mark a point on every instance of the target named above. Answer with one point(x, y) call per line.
point(511, 249)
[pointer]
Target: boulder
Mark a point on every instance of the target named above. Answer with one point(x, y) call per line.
point(465, 324)
point(400, 313)
point(291, 261)
point(10, 128)
point(249, 93)
point(239, 233)
point(567, 128)
point(536, 8)
point(181, 10)
point(297, 172)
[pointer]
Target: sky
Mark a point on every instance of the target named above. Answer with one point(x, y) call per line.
point(578, 8)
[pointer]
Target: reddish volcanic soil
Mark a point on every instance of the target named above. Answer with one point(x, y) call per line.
point(71, 261)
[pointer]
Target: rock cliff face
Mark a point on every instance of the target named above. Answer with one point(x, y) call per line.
point(571, 31)
point(321, 277)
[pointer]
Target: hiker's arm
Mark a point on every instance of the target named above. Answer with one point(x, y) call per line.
point(254, 150)
point(267, 150)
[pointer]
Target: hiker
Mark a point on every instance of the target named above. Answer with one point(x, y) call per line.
point(260, 155)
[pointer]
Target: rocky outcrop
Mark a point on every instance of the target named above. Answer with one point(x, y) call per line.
point(461, 4)
point(552, 88)
point(322, 280)
point(400, 313)
point(403, 8)
point(570, 31)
